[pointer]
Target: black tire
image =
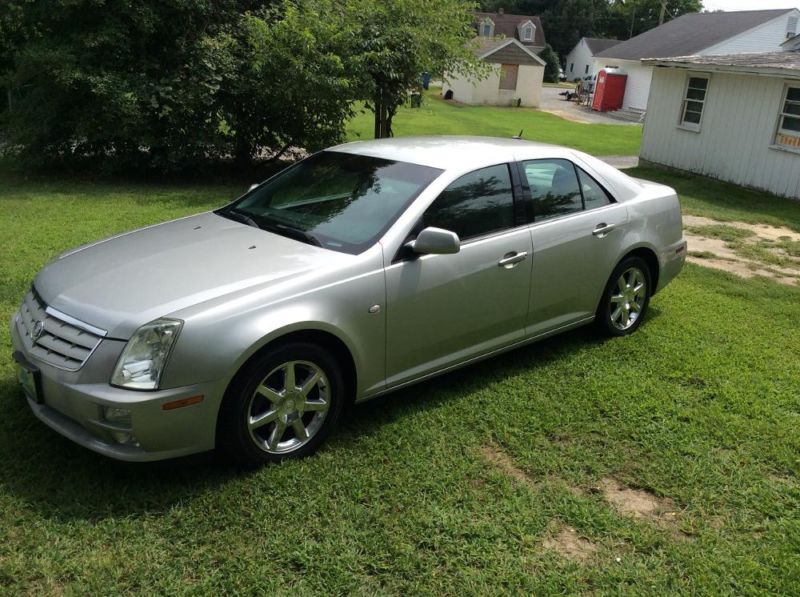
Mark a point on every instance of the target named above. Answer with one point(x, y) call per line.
point(234, 437)
point(604, 318)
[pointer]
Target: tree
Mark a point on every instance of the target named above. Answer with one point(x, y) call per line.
point(552, 64)
point(396, 41)
point(628, 18)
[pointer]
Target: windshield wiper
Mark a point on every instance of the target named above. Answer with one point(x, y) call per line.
point(295, 233)
point(234, 214)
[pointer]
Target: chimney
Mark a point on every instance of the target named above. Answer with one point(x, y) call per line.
point(500, 11)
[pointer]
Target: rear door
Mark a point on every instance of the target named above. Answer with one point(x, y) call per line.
point(576, 233)
point(445, 309)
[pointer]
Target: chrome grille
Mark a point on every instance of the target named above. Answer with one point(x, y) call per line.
point(61, 343)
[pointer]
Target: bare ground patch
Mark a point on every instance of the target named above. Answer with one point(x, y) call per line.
point(642, 505)
point(568, 544)
point(743, 249)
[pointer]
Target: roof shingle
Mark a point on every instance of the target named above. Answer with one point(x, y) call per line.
point(506, 25)
point(689, 34)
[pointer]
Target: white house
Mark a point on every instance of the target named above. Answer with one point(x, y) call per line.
point(580, 60)
point(734, 117)
point(700, 34)
point(516, 75)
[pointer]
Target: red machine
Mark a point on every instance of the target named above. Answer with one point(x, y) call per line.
point(609, 90)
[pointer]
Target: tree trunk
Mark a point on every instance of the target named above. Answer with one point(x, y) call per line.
point(243, 152)
point(382, 119)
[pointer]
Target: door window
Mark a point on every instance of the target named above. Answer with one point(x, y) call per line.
point(554, 188)
point(594, 195)
point(474, 205)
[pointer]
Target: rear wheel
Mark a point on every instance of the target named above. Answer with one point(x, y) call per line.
point(283, 405)
point(625, 299)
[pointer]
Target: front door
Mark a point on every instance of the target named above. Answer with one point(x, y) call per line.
point(445, 309)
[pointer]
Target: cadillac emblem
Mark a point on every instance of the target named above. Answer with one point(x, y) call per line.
point(38, 330)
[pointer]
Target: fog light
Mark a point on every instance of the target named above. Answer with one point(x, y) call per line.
point(117, 416)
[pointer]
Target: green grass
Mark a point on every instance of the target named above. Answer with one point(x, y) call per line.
point(728, 234)
point(438, 117)
point(700, 406)
point(701, 196)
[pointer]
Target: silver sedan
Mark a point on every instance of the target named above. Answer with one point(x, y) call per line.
point(357, 271)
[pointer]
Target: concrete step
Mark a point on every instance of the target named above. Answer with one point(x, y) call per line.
point(628, 114)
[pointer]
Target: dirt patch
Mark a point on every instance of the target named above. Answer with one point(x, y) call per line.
point(495, 456)
point(745, 250)
point(643, 505)
point(634, 502)
point(568, 544)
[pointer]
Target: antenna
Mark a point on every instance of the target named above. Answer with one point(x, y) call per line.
point(519, 136)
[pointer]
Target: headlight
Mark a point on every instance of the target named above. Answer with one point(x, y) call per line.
point(145, 355)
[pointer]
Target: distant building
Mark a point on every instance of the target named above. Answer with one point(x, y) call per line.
point(735, 117)
point(580, 60)
point(697, 34)
point(511, 44)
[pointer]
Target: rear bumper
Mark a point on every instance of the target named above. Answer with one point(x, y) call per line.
point(672, 259)
point(79, 411)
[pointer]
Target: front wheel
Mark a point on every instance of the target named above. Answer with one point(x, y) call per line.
point(625, 298)
point(283, 405)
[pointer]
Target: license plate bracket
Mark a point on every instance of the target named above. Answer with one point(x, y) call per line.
point(29, 377)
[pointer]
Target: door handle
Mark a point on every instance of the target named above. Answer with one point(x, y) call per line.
point(509, 260)
point(602, 229)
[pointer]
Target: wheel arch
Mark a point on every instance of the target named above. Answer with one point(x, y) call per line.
point(651, 258)
point(313, 335)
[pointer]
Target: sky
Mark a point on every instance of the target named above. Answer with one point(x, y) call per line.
point(749, 4)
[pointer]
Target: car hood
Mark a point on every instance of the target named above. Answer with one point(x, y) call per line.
point(123, 282)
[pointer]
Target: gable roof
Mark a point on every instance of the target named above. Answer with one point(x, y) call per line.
point(782, 64)
point(506, 51)
point(508, 25)
point(690, 33)
point(597, 45)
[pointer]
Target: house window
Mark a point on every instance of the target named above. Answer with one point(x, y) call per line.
point(508, 76)
point(693, 102)
point(487, 28)
point(527, 33)
point(571, 66)
point(586, 70)
point(788, 134)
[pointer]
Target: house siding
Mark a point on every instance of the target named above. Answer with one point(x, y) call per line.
point(737, 130)
point(511, 54)
point(487, 91)
point(767, 37)
point(580, 57)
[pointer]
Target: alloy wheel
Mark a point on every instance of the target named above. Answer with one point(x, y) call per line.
point(288, 407)
point(628, 298)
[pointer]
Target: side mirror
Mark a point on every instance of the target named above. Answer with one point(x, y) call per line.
point(435, 241)
point(253, 186)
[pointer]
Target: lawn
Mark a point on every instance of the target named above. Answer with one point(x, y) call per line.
point(438, 117)
point(463, 485)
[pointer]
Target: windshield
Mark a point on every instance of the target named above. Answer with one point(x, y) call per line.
point(339, 201)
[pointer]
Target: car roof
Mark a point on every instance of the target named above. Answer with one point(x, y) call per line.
point(463, 154)
point(451, 152)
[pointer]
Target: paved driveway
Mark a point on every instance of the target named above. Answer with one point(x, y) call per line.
point(554, 103)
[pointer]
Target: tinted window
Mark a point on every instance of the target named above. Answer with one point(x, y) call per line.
point(340, 201)
point(554, 188)
point(593, 194)
point(477, 203)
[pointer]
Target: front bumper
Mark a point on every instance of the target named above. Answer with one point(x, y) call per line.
point(74, 403)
